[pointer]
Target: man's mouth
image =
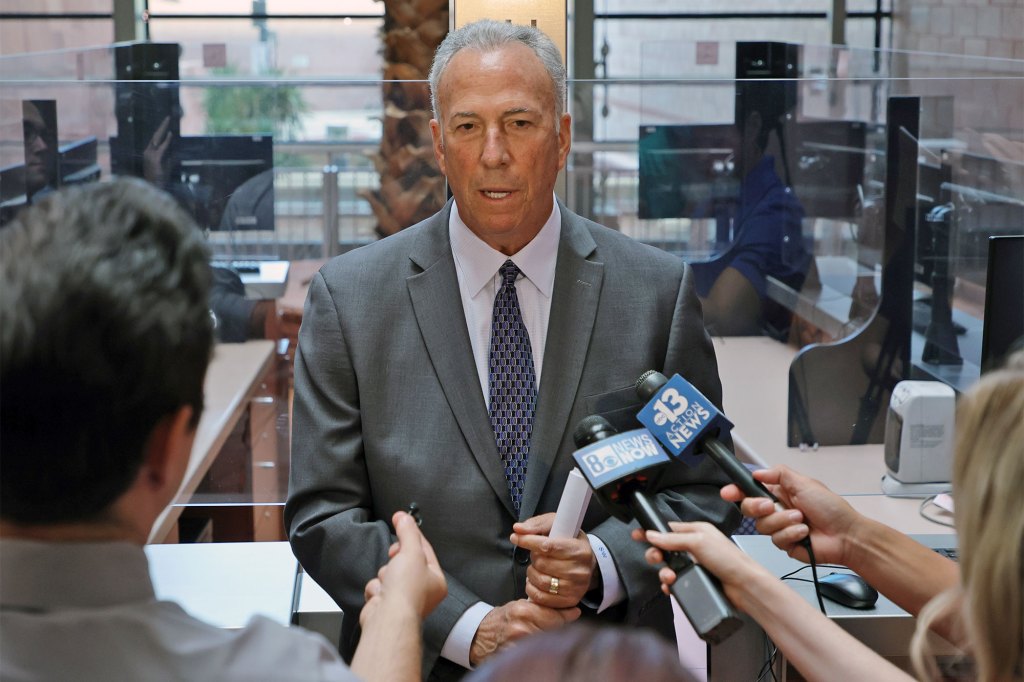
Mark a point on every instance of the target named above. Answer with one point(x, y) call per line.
point(495, 195)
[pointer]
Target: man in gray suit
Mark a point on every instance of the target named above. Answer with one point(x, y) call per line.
point(408, 347)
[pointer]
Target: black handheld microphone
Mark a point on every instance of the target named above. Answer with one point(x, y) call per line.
point(687, 424)
point(618, 466)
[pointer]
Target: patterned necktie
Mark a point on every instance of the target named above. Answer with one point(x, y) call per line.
point(513, 384)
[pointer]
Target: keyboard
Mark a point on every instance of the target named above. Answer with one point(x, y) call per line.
point(245, 267)
point(261, 278)
point(948, 552)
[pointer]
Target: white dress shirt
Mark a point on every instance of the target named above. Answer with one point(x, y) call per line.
point(477, 265)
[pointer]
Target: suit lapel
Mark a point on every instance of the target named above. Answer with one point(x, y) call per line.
point(437, 305)
point(575, 295)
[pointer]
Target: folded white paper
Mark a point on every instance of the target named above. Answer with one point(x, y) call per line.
point(572, 507)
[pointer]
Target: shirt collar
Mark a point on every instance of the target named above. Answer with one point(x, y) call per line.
point(479, 262)
point(53, 575)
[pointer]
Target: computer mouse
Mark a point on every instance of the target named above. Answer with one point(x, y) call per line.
point(848, 589)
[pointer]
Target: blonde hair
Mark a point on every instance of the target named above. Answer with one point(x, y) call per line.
point(988, 469)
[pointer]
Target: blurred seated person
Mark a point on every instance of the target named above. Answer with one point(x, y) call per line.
point(583, 652)
point(105, 338)
point(767, 231)
point(39, 127)
point(975, 604)
point(238, 318)
point(250, 207)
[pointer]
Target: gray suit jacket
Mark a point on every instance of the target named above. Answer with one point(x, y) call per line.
point(388, 410)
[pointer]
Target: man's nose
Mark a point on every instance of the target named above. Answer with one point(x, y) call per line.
point(495, 152)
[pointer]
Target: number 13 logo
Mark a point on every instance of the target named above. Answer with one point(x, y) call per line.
point(669, 407)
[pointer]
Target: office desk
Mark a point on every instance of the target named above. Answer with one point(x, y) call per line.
point(885, 628)
point(234, 374)
point(315, 610)
point(227, 583)
point(755, 384)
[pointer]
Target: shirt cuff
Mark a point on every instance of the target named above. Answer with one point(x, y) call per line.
point(460, 639)
point(611, 585)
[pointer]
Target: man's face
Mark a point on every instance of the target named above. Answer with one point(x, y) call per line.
point(498, 143)
point(39, 156)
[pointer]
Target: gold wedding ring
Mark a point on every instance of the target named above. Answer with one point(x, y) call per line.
point(553, 587)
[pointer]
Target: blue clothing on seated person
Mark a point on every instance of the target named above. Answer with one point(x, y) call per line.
point(767, 236)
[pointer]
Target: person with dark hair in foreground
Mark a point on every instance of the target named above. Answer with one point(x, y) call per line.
point(582, 652)
point(105, 338)
point(976, 603)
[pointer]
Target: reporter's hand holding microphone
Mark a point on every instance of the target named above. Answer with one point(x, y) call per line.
point(738, 574)
point(690, 427)
point(813, 511)
point(800, 501)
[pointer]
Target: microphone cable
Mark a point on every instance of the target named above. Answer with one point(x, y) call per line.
point(806, 544)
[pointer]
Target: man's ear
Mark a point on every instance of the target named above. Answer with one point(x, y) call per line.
point(168, 450)
point(435, 133)
point(564, 139)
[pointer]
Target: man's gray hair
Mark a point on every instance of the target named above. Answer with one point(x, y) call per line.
point(488, 35)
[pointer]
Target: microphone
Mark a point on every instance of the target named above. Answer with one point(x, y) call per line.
point(688, 425)
point(619, 466)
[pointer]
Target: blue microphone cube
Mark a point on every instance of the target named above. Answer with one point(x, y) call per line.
point(679, 416)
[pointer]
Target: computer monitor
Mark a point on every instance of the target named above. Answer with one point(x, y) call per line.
point(1003, 330)
point(12, 191)
point(229, 180)
point(986, 195)
point(828, 161)
point(686, 169)
point(78, 162)
point(930, 222)
point(146, 102)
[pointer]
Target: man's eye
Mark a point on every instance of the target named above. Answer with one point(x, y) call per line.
point(464, 126)
point(521, 123)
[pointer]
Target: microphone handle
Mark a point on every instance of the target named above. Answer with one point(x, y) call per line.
point(700, 596)
point(739, 474)
point(650, 519)
point(697, 592)
point(742, 476)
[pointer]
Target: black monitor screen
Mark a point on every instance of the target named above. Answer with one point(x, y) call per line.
point(1004, 300)
point(12, 191)
point(229, 180)
point(928, 242)
point(828, 160)
point(986, 195)
point(78, 162)
point(684, 169)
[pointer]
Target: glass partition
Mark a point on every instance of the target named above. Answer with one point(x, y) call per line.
point(784, 182)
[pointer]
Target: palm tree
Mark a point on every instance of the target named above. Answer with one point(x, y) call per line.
point(411, 185)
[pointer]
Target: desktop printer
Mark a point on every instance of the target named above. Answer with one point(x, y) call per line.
point(919, 439)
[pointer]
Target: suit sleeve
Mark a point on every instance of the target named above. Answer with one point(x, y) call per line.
point(333, 529)
point(685, 493)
